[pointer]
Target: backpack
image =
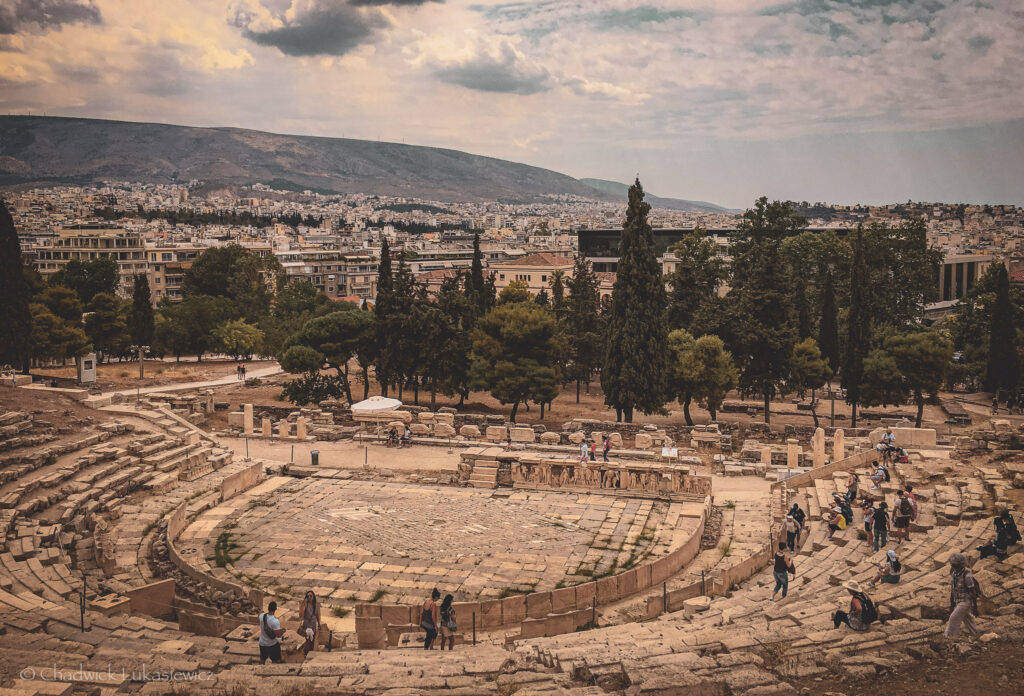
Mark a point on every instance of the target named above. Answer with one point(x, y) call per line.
point(897, 567)
point(868, 614)
point(977, 587)
point(885, 472)
point(447, 619)
point(906, 507)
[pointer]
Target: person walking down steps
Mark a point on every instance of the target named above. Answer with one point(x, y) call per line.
point(431, 618)
point(963, 598)
point(783, 568)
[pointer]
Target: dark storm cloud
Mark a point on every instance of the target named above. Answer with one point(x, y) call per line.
point(507, 74)
point(315, 27)
point(18, 16)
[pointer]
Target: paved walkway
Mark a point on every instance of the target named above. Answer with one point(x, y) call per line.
point(184, 386)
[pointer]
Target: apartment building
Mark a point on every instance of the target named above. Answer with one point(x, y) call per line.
point(88, 241)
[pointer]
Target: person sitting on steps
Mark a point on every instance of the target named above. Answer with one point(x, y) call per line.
point(889, 570)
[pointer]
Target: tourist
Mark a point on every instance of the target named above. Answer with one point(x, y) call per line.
point(1012, 533)
point(607, 447)
point(448, 625)
point(406, 437)
point(431, 618)
point(393, 437)
point(799, 515)
point(909, 491)
point(508, 443)
point(852, 484)
point(781, 571)
point(836, 521)
point(963, 598)
point(792, 532)
point(881, 474)
point(902, 512)
point(862, 610)
point(880, 525)
point(889, 570)
point(593, 451)
point(869, 510)
point(998, 545)
point(238, 371)
point(584, 452)
point(243, 372)
point(844, 507)
point(309, 614)
point(270, 635)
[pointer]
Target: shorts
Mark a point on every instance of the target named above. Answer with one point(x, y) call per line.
point(447, 632)
point(901, 522)
point(891, 579)
point(270, 652)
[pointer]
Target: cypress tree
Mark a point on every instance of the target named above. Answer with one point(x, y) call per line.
point(583, 333)
point(803, 309)
point(634, 374)
point(475, 286)
point(858, 330)
point(15, 318)
point(141, 318)
point(1001, 373)
point(383, 310)
point(828, 329)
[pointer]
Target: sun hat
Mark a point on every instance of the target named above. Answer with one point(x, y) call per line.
point(891, 554)
point(852, 586)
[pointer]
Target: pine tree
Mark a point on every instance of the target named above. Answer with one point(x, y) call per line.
point(634, 374)
point(141, 320)
point(1001, 373)
point(383, 310)
point(803, 309)
point(828, 329)
point(15, 318)
point(858, 330)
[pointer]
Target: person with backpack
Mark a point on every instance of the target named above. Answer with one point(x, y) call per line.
point(888, 571)
point(963, 598)
point(781, 571)
point(430, 618)
point(799, 516)
point(270, 635)
point(881, 474)
point(862, 610)
point(902, 512)
point(880, 525)
point(909, 489)
point(448, 625)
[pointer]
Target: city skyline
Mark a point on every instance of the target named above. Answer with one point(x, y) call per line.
point(845, 101)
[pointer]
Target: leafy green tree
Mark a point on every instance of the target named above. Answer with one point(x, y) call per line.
point(293, 306)
point(634, 372)
point(695, 282)
point(542, 299)
point(716, 373)
point(106, 327)
point(188, 326)
point(232, 272)
point(813, 257)
point(513, 355)
point(858, 327)
point(15, 318)
point(403, 333)
point(55, 338)
point(298, 359)
point(803, 309)
point(901, 272)
point(515, 291)
point(763, 331)
point(882, 381)
point(312, 388)
point(237, 338)
point(89, 278)
point(582, 324)
point(682, 370)
point(923, 358)
point(141, 321)
point(337, 336)
point(828, 326)
point(1001, 373)
point(62, 302)
point(170, 335)
point(808, 370)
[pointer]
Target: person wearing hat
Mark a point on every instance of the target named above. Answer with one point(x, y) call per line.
point(862, 609)
point(792, 531)
point(889, 570)
point(963, 598)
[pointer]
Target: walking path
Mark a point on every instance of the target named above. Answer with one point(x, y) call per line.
point(182, 386)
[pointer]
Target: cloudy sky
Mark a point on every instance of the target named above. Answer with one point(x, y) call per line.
point(719, 100)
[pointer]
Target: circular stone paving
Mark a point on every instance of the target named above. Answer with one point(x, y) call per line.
point(355, 540)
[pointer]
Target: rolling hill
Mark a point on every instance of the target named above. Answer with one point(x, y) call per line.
point(619, 191)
